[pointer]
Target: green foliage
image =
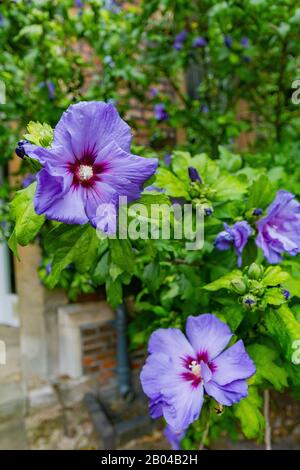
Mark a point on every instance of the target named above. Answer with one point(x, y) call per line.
point(248, 411)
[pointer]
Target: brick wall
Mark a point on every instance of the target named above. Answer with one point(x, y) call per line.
point(99, 354)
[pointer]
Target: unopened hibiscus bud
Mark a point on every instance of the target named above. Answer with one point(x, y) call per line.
point(254, 271)
point(249, 301)
point(257, 212)
point(208, 211)
point(20, 151)
point(238, 286)
point(286, 294)
point(194, 175)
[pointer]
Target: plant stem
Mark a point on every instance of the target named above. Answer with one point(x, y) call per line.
point(205, 433)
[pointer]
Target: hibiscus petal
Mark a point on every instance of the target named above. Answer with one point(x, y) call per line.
point(207, 334)
point(121, 164)
point(101, 207)
point(184, 402)
point(57, 204)
point(89, 126)
point(233, 364)
point(227, 394)
point(171, 342)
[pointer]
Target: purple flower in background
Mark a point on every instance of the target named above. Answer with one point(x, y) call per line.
point(78, 4)
point(1, 20)
point(160, 112)
point(279, 230)
point(153, 92)
point(28, 180)
point(168, 159)
point(179, 370)
point(88, 166)
point(194, 175)
point(228, 41)
point(204, 108)
point(174, 437)
point(237, 235)
point(51, 89)
point(245, 41)
point(199, 42)
point(48, 268)
point(179, 40)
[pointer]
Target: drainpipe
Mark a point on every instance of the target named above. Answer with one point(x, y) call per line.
point(123, 364)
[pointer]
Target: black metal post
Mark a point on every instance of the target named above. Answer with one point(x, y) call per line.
point(123, 365)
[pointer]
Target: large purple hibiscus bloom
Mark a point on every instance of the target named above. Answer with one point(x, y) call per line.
point(88, 166)
point(237, 235)
point(179, 370)
point(279, 231)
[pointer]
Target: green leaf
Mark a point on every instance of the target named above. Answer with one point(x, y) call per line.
point(249, 414)
point(224, 282)
point(266, 367)
point(229, 187)
point(76, 244)
point(152, 276)
point(273, 296)
point(27, 222)
point(228, 160)
point(172, 185)
point(122, 254)
point(208, 169)
point(261, 193)
point(274, 276)
point(114, 292)
point(39, 134)
point(234, 315)
point(283, 326)
point(180, 163)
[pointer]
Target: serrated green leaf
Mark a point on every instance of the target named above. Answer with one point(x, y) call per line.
point(114, 292)
point(172, 185)
point(248, 411)
point(274, 276)
point(76, 244)
point(261, 193)
point(27, 222)
point(208, 169)
point(122, 254)
point(282, 325)
point(266, 367)
point(228, 160)
point(273, 296)
point(224, 282)
point(39, 134)
point(228, 188)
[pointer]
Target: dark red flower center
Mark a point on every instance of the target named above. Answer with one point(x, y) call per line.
point(193, 368)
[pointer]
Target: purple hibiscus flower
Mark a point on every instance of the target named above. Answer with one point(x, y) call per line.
point(179, 40)
point(88, 166)
point(160, 112)
point(279, 230)
point(179, 370)
point(245, 41)
point(174, 437)
point(199, 42)
point(237, 235)
point(228, 41)
point(28, 180)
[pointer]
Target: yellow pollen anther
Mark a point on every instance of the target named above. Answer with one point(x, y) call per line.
point(195, 368)
point(85, 172)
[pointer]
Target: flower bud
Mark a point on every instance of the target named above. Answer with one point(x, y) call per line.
point(257, 212)
point(249, 301)
point(254, 271)
point(238, 286)
point(20, 148)
point(286, 294)
point(194, 175)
